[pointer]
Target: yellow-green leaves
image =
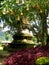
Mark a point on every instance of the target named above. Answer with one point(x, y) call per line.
point(42, 60)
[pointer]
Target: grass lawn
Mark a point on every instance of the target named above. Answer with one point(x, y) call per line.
point(3, 53)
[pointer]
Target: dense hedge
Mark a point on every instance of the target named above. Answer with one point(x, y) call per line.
point(27, 56)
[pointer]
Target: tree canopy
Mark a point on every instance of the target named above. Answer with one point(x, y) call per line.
point(12, 11)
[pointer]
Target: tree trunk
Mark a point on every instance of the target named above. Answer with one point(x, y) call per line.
point(44, 29)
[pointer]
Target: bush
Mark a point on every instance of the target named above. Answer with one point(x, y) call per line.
point(42, 61)
point(29, 56)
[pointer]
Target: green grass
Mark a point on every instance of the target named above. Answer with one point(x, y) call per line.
point(2, 52)
point(3, 55)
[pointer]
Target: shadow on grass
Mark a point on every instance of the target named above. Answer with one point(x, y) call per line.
point(15, 47)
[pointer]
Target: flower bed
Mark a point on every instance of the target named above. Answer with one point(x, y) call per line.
point(27, 56)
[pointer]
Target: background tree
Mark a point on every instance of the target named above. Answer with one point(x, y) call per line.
point(13, 13)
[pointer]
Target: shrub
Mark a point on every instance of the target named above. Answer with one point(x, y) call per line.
point(29, 56)
point(42, 61)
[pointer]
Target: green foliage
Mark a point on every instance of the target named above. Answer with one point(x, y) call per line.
point(1, 46)
point(34, 39)
point(35, 10)
point(12, 9)
point(8, 36)
point(42, 61)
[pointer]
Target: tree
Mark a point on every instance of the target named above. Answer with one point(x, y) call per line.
point(13, 12)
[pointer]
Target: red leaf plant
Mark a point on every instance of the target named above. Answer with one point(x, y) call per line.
point(27, 56)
